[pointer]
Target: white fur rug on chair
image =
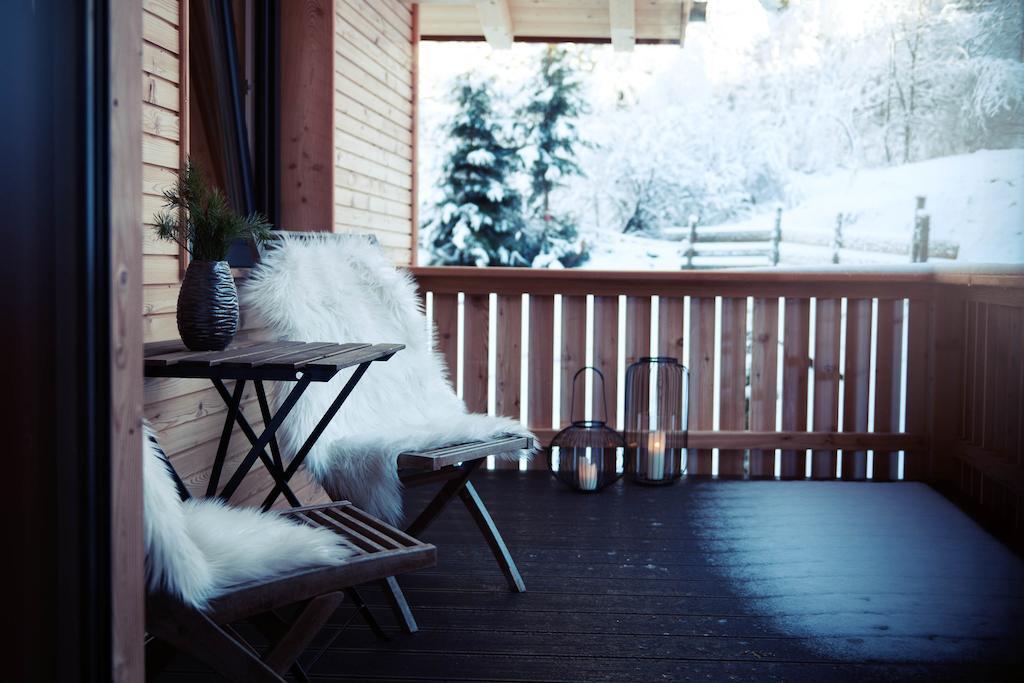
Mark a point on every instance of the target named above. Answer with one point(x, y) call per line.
point(342, 289)
point(196, 549)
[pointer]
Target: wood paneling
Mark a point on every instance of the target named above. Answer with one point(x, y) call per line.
point(373, 93)
point(307, 112)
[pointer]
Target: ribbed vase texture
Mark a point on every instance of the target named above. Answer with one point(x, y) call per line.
point(208, 306)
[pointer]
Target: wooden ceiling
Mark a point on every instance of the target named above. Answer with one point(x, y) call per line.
point(624, 23)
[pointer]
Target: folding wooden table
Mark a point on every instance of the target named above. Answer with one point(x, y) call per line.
point(259, 362)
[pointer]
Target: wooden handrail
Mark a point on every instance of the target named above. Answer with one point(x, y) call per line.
point(899, 281)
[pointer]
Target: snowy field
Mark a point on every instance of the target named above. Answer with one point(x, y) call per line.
point(831, 561)
point(974, 200)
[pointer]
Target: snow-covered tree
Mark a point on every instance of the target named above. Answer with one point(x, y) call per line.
point(479, 220)
point(551, 150)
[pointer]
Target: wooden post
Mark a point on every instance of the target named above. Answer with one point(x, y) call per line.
point(919, 245)
point(776, 235)
point(837, 238)
point(691, 240)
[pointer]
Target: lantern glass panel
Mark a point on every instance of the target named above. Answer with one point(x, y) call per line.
point(657, 403)
point(585, 455)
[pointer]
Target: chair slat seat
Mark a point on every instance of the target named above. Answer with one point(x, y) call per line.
point(397, 554)
point(445, 456)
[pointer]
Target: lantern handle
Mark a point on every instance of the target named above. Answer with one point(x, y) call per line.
point(604, 397)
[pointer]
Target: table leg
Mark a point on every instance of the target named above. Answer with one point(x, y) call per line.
point(271, 465)
point(233, 402)
point(300, 456)
point(261, 395)
point(264, 439)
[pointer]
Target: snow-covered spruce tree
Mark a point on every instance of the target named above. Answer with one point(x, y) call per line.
point(552, 139)
point(479, 220)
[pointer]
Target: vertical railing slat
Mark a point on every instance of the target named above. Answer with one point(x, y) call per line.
point(888, 367)
point(764, 381)
point(476, 320)
point(606, 356)
point(541, 357)
point(1015, 402)
point(446, 326)
point(670, 327)
point(702, 378)
point(918, 358)
point(508, 363)
point(795, 362)
point(998, 366)
point(638, 328)
point(826, 382)
point(978, 397)
point(574, 356)
point(857, 382)
point(969, 331)
point(733, 380)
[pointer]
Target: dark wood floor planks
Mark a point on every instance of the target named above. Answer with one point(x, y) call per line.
point(621, 586)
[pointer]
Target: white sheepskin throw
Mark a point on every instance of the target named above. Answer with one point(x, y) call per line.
point(197, 549)
point(343, 289)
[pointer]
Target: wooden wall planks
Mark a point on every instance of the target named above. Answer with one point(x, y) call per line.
point(374, 122)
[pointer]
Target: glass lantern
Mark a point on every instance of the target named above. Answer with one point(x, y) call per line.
point(584, 455)
point(657, 403)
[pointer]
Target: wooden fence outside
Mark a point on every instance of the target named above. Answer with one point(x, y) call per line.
point(913, 364)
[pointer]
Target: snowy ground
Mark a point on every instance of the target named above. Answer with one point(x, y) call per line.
point(832, 560)
point(974, 200)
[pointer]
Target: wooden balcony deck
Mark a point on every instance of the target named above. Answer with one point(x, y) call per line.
point(712, 580)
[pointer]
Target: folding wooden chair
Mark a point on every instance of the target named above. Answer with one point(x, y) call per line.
point(310, 595)
point(454, 465)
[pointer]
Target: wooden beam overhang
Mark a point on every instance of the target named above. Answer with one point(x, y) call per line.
point(496, 21)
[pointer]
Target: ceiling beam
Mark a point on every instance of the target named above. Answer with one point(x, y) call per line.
point(622, 15)
point(496, 21)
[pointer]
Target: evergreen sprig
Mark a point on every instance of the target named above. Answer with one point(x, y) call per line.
point(197, 216)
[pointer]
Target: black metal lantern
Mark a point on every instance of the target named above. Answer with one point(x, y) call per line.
point(585, 454)
point(657, 397)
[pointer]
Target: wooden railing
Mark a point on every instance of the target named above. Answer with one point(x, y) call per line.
point(981, 361)
point(852, 374)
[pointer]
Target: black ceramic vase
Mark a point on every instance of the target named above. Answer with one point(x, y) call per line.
point(208, 306)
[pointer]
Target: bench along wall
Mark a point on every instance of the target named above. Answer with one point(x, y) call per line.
point(347, 139)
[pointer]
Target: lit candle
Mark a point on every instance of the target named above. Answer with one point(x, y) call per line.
point(656, 455)
point(586, 472)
